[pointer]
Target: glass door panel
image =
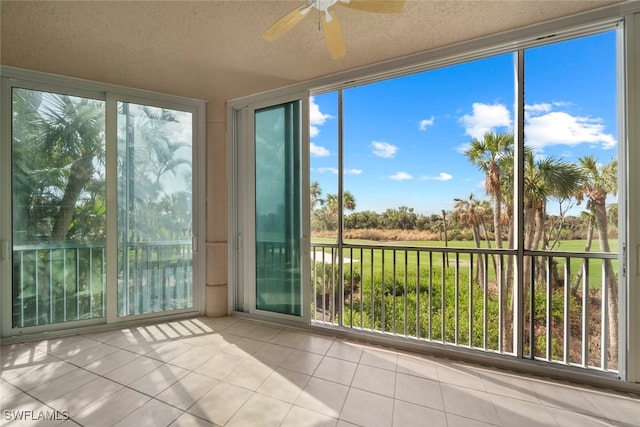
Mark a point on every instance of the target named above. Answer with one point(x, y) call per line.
point(155, 220)
point(58, 203)
point(278, 223)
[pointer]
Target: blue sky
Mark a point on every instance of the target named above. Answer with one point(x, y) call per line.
point(404, 139)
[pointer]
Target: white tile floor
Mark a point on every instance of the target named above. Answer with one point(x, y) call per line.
point(235, 372)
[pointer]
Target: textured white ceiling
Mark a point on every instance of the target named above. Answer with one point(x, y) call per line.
point(214, 49)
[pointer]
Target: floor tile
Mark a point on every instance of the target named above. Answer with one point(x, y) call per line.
point(418, 366)
point(509, 385)
point(263, 333)
point(284, 385)
point(169, 351)
point(562, 396)
point(219, 366)
point(152, 414)
point(20, 402)
point(570, 418)
point(37, 375)
point(220, 403)
point(260, 410)
point(379, 357)
point(460, 374)
point(193, 358)
point(378, 412)
point(20, 355)
point(249, 374)
point(336, 370)
point(302, 361)
point(111, 409)
point(114, 361)
point(468, 403)
point(454, 420)
point(62, 385)
point(239, 372)
point(614, 406)
point(323, 396)
point(407, 414)
point(189, 420)
point(244, 347)
point(420, 391)
point(81, 398)
point(91, 355)
point(522, 413)
point(159, 379)
point(130, 372)
point(298, 416)
point(68, 350)
point(375, 380)
point(272, 354)
point(7, 390)
point(187, 390)
point(346, 350)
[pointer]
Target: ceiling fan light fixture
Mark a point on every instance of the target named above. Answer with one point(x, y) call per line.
point(330, 26)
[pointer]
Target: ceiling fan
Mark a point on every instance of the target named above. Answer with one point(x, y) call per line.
point(330, 24)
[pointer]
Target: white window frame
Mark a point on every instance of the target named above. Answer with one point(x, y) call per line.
point(242, 296)
point(627, 17)
point(111, 94)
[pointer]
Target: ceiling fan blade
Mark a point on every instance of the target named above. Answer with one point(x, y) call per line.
point(286, 23)
point(377, 6)
point(333, 35)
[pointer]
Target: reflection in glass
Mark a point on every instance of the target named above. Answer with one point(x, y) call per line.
point(154, 209)
point(58, 201)
point(278, 209)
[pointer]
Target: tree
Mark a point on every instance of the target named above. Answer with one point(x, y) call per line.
point(545, 178)
point(348, 203)
point(493, 155)
point(402, 218)
point(59, 145)
point(489, 154)
point(471, 212)
point(315, 191)
point(600, 182)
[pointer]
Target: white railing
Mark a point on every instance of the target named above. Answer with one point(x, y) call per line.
point(398, 291)
point(55, 283)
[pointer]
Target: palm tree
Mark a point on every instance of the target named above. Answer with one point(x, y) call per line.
point(348, 203)
point(467, 213)
point(315, 191)
point(600, 182)
point(60, 148)
point(489, 154)
point(545, 178)
point(493, 155)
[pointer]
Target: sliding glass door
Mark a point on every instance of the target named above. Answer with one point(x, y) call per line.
point(278, 222)
point(99, 210)
point(155, 220)
point(271, 237)
point(58, 205)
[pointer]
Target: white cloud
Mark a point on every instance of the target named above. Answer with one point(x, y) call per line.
point(559, 127)
point(352, 171)
point(463, 148)
point(318, 151)
point(543, 107)
point(384, 149)
point(400, 176)
point(545, 125)
point(485, 118)
point(426, 123)
point(316, 118)
point(335, 171)
point(442, 176)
